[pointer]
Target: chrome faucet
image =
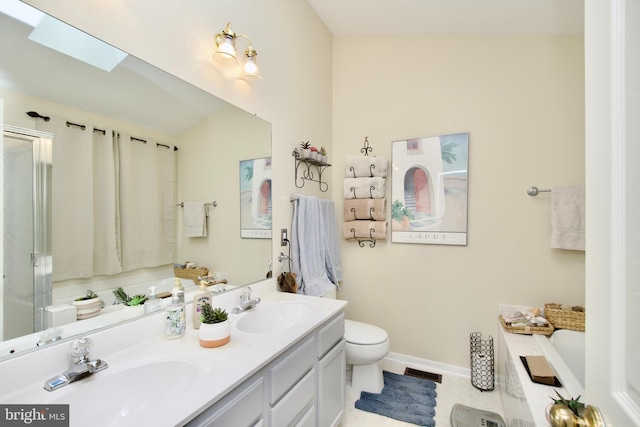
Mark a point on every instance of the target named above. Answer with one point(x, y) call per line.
point(246, 302)
point(80, 367)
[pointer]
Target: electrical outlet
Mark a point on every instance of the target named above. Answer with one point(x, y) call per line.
point(284, 239)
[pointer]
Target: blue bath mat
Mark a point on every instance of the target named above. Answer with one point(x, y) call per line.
point(403, 398)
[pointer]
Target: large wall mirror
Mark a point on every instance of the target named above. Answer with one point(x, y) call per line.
point(212, 139)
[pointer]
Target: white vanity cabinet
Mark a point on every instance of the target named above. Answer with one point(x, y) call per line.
point(303, 387)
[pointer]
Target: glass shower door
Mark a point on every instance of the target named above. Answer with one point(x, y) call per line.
point(27, 260)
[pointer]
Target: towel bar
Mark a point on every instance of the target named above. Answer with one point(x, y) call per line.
point(533, 191)
point(214, 204)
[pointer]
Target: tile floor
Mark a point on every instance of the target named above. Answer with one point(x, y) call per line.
point(453, 389)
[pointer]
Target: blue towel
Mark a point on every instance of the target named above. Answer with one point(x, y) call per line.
point(314, 246)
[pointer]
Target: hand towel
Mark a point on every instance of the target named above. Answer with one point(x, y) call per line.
point(195, 219)
point(354, 230)
point(315, 249)
point(355, 209)
point(365, 166)
point(364, 188)
point(567, 218)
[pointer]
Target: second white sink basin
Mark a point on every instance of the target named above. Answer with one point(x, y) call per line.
point(274, 317)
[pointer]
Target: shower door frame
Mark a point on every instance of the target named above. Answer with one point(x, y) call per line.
point(41, 259)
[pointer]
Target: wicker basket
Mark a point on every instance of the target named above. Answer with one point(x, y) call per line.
point(190, 273)
point(527, 330)
point(564, 319)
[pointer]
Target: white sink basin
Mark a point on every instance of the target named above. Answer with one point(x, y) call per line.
point(274, 317)
point(132, 396)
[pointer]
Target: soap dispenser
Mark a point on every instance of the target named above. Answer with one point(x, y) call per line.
point(153, 303)
point(203, 296)
point(176, 319)
point(177, 286)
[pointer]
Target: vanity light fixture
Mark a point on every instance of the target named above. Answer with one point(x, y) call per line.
point(226, 54)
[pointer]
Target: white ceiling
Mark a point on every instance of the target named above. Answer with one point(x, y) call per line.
point(371, 17)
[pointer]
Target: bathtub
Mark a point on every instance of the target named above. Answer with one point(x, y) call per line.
point(524, 401)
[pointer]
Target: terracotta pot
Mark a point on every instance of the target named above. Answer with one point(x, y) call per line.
point(87, 308)
point(214, 334)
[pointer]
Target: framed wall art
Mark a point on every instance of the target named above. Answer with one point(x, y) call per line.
point(429, 190)
point(255, 198)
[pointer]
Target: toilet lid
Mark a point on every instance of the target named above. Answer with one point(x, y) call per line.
point(363, 333)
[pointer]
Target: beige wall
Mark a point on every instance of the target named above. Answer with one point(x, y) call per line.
point(522, 101)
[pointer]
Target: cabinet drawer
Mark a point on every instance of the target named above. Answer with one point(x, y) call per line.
point(242, 407)
point(288, 371)
point(329, 335)
point(294, 404)
point(308, 419)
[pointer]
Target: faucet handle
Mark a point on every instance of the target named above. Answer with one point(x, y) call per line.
point(245, 294)
point(80, 347)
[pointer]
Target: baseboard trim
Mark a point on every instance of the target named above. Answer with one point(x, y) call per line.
point(429, 365)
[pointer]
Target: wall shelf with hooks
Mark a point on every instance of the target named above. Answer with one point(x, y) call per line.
point(307, 168)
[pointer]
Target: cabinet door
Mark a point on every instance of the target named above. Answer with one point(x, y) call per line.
point(243, 407)
point(331, 386)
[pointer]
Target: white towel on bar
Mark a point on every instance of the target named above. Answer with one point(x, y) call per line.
point(364, 188)
point(195, 219)
point(365, 166)
point(567, 218)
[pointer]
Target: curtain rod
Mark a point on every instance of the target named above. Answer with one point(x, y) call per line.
point(37, 115)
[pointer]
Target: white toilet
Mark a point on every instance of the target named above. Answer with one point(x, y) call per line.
point(366, 345)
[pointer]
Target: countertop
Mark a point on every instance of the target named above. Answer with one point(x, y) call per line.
point(221, 369)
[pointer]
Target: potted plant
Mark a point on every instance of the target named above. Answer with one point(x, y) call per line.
point(400, 216)
point(315, 155)
point(133, 305)
point(88, 305)
point(215, 328)
point(572, 413)
point(323, 155)
point(305, 151)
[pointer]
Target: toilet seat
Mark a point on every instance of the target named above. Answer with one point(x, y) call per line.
point(363, 333)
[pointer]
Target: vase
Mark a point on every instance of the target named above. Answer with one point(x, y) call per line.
point(305, 153)
point(129, 312)
point(213, 335)
point(324, 159)
point(88, 308)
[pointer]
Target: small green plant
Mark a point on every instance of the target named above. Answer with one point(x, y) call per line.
point(89, 295)
point(574, 404)
point(305, 145)
point(210, 315)
point(398, 211)
point(123, 298)
point(323, 151)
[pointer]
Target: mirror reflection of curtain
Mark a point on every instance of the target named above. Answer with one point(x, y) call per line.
point(72, 199)
point(146, 203)
point(112, 203)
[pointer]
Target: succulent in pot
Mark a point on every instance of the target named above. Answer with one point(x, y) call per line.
point(88, 305)
point(572, 413)
point(133, 305)
point(323, 154)
point(305, 151)
point(215, 328)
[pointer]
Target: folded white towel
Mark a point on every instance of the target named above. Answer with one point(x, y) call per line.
point(364, 188)
point(567, 218)
point(365, 166)
point(195, 219)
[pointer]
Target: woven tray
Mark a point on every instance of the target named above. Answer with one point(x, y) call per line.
point(564, 319)
point(190, 273)
point(527, 330)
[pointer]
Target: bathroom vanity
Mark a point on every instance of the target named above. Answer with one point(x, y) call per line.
point(285, 365)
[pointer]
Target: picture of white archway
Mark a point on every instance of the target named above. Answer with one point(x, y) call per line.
point(429, 190)
point(255, 198)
